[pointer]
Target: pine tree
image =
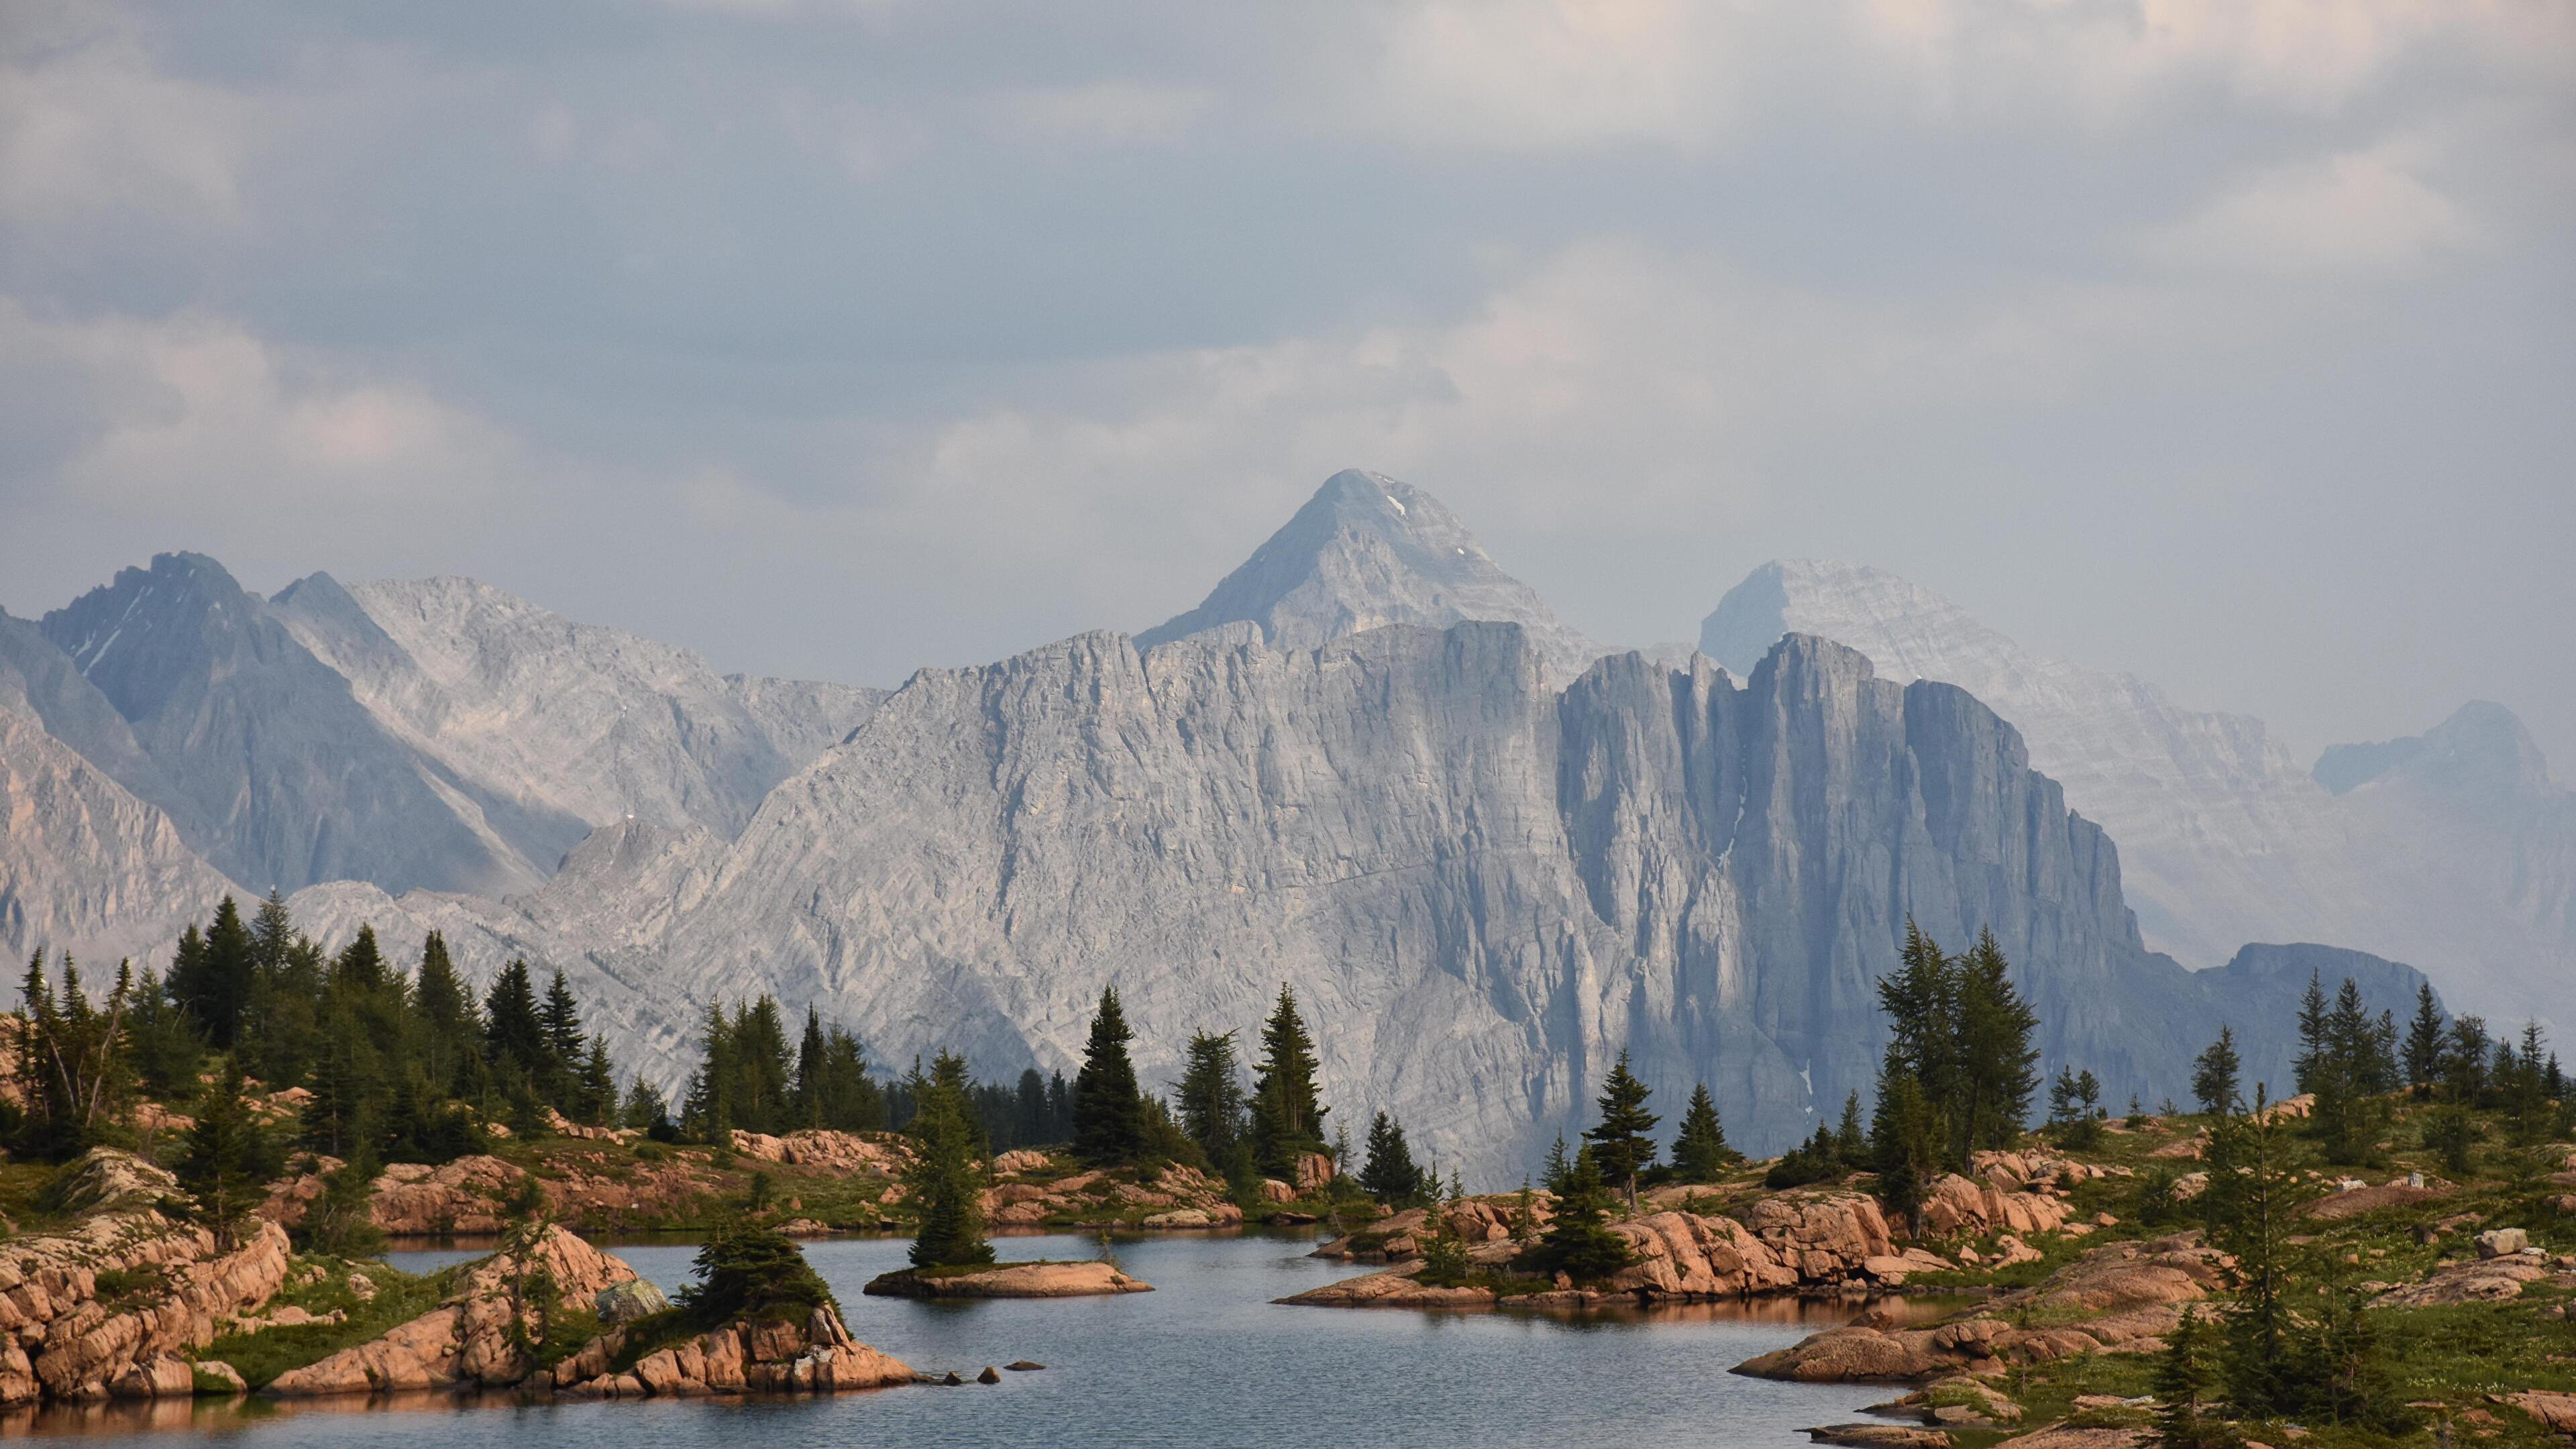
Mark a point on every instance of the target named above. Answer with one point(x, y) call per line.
point(1578, 1241)
point(2250, 1206)
point(1210, 1093)
point(809, 1092)
point(1620, 1143)
point(2214, 1075)
point(450, 1035)
point(2424, 1041)
point(2312, 1034)
point(1390, 1174)
point(1851, 1141)
point(1998, 1068)
point(1108, 1109)
point(220, 1169)
point(514, 1034)
point(1557, 1174)
point(1700, 1153)
point(2184, 1376)
point(706, 1113)
point(1287, 1114)
point(560, 1016)
point(212, 975)
point(1905, 1141)
point(944, 1182)
point(596, 1097)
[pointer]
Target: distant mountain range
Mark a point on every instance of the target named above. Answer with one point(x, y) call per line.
point(1485, 851)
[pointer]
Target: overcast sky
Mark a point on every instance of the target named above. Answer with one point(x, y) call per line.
point(2232, 342)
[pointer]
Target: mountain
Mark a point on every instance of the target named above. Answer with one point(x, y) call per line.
point(82, 860)
point(283, 777)
point(1365, 552)
point(2224, 837)
point(1481, 887)
point(553, 728)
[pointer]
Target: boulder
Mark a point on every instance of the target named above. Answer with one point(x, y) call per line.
point(1273, 1190)
point(1022, 1159)
point(1390, 1290)
point(464, 1196)
point(1879, 1436)
point(216, 1378)
point(2486, 1280)
point(1313, 1171)
point(165, 1377)
point(622, 1303)
point(2502, 1242)
point(2556, 1412)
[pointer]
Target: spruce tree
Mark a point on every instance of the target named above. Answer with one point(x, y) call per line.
point(212, 976)
point(2312, 1033)
point(1620, 1143)
point(561, 1018)
point(1210, 1093)
point(1287, 1113)
point(220, 1168)
point(1390, 1174)
point(513, 1032)
point(1557, 1173)
point(1851, 1140)
point(809, 1094)
point(1578, 1241)
point(2214, 1075)
point(450, 1036)
point(2424, 1041)
point(1905, 1141)
point(1700, 1153)
point(2250, 1206)
point(2184, 1376)
point(1108, 1109)
point(946, 1186)
point(1998, 1068)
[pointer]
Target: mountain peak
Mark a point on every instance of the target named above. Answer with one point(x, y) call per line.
point(2482, 748)
point(1908, 631)
point(1365, 552)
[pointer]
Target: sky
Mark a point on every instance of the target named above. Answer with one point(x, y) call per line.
point(2230, 342)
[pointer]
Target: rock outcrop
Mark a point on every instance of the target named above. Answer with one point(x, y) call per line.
point(468, 1195)
point(64, 1341)
point(466, 1341)
point(1009, 1280)
point(817, 1355)
point(2118, 1297)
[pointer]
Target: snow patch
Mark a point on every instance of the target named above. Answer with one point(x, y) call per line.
point(1398, 507)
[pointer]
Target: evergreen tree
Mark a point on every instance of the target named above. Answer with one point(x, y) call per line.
point(2250, 1205)
point(1287, 1113)
point(1029, 1110)
point(1998, 1068)
point(595, 1097)
point(706, 1114)
point(212, 975)
point(1108, 1110)
point(1851, 1141)
point(946, 1185)
point(221, 1167)
point(2312, 1034)
point(451, 1038)
point(514, 1033)
point(1059, 1109)
point(1557, 1174)
point(1211, 1098)
point(560, 1016)
point(2424, 1041)
point(1700, 1152)
point(2184, 1376)
point(1620, 1143)
point(1390, 1174)
point(1578, 1241)
point(1905, 1138)
point(809, 1071)
point(2214, 1075)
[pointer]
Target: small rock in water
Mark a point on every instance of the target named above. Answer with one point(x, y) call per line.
point(990, 1375)
point(1021, 1366)
point(950, 1379)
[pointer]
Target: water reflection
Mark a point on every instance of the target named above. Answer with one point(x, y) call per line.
point(1206, 1358)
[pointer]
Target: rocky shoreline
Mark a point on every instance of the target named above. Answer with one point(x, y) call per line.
point(1008, 1280)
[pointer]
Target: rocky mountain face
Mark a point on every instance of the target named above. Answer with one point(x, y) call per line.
point(172, 735)
point(1365, 552)
point(553, 728)
point(2224, 837)
point(1480, 887)
point(284, 777)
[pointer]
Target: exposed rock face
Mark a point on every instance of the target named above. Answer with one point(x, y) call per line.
point(464, 1196)
point(555, 728)
point(83, 863)
point(1011, 1280)
point(289, 779)
point(2121, 1296)
point(60, 1341)
point(466, 1340)
point(818, 1356)
point(2482, 1280)
point(2454, 851)
point(1365, 552)
point(1480, 889)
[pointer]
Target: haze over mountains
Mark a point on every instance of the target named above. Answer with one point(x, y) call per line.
point(1370, 764)
point(2450, 850)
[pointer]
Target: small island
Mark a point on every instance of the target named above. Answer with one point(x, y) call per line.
point(950, 1255)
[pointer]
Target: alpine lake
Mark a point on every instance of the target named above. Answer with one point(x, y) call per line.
point(1206, 1359)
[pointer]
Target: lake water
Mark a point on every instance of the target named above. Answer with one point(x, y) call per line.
point(1207, 1359)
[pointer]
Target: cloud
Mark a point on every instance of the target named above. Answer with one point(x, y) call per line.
point(192, 417)
point(1104, 113)
point(2356, 215)
point(89, 124)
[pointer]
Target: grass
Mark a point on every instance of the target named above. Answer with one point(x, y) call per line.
point(400, 1297)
